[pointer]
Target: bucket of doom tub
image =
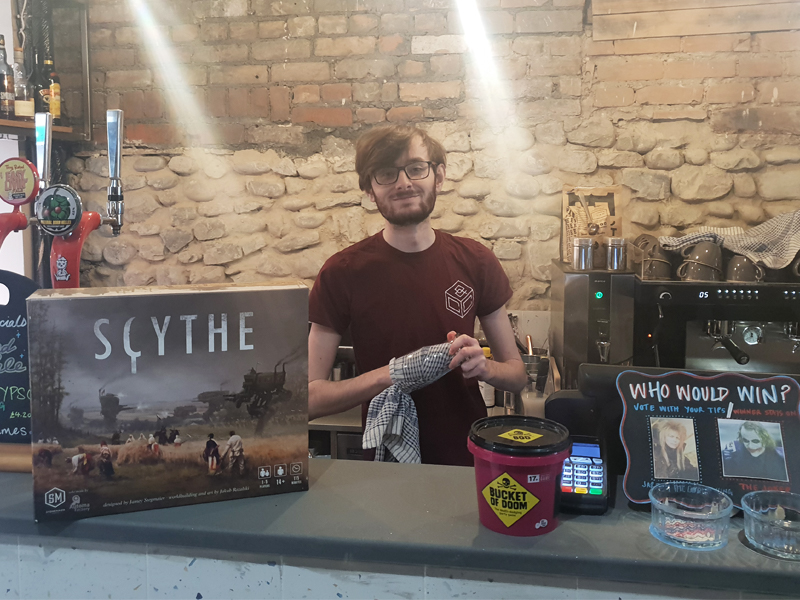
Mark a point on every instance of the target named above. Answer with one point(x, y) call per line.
point(518, 464)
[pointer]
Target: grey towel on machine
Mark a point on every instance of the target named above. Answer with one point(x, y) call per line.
point(392, 426)
point(773, 244)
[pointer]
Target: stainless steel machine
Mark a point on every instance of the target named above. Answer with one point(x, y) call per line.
point(718, 326)
point(591, 319)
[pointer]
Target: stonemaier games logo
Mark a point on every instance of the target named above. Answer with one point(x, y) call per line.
point(55, 498)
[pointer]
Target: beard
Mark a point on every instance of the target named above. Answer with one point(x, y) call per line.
point(414, 215)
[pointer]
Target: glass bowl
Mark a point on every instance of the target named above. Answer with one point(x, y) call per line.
point(772, 522)
point(690, 515)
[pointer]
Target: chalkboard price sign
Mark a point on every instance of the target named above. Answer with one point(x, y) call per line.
point(15, 398)
point(731, 432)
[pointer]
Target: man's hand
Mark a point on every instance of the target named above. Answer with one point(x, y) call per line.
point(468, 354)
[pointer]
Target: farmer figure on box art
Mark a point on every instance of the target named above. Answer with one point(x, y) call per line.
point(104, 461)
point(235, 449)
point(211, 455)
point(82, 462)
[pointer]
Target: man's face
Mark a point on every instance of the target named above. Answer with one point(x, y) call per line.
point(752, 442)
point(406, 201)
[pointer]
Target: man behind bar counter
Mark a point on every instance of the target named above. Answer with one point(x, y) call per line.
point(406, 287)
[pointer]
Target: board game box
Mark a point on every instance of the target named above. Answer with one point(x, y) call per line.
point(155, 397)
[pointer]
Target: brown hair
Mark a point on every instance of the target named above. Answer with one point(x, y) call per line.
point(380, 147)
point(680, 431)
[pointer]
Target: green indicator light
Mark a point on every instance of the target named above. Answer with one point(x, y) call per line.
point(598, 295)
point(595, 491)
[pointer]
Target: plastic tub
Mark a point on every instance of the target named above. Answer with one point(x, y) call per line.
point(518, 464)
point(772, 522)
point(690, 515)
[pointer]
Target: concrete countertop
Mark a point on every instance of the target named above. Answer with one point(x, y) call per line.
point(414, 515)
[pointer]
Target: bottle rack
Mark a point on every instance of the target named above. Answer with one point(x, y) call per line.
point(60, 132)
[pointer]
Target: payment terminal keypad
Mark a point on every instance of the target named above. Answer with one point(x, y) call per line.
point(583, 481)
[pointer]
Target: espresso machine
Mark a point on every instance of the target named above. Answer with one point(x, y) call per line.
point(591, 318)
point(717, 326)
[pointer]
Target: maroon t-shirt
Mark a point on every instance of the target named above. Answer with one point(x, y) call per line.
point(394, 302)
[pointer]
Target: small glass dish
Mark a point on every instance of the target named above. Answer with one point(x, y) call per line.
point(772, 522)
point(690, 515)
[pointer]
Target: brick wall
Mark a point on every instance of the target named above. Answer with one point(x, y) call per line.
point(258, 183)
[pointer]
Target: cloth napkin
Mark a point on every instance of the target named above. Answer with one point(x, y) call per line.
point(392, 426)
point(773, 244)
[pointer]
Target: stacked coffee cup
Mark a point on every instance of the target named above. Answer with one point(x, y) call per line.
point(702, 262)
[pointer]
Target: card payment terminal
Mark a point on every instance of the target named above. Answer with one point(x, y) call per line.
point(584, 480)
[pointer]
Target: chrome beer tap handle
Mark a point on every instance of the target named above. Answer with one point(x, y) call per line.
point(116, 204)
point(44, 145)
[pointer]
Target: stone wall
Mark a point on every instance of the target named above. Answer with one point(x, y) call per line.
point(246, 173)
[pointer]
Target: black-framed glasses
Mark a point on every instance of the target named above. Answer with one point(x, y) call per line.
point(414, 171)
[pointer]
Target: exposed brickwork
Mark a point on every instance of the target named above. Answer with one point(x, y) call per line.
point(778, 92)
point(279, 102)
point(648, 46)
point(729, 93)
point(303, 78)
point(404, 113)
point(670, 94)
point(760, 66)
point(629, 69)
point(778, 41)
point(734, 42)
point(370, 115)
point(333, 63)
point(327, 117)
point(612, 95)
point(700, 68)
point(337, 92)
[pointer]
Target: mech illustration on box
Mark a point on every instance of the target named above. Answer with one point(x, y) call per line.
point(157, 397)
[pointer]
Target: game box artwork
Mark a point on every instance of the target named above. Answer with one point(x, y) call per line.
point(156, 397)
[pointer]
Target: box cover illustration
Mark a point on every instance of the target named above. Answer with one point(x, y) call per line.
point(155, 397)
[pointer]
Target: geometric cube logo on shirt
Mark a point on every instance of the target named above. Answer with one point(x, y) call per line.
point(459, 298)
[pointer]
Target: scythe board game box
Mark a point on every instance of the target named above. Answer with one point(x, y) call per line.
point(156, 397)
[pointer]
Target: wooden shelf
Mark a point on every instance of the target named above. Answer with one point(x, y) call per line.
point(26, 129)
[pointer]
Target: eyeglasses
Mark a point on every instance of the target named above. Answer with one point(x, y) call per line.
point(414, 171)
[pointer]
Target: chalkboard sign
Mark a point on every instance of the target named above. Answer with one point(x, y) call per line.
point(15, 402)
point(730, 432)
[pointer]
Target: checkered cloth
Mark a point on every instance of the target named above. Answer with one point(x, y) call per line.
point(392, 426)
point(773, 244)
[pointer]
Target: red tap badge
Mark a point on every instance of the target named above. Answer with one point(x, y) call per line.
point(19, 181)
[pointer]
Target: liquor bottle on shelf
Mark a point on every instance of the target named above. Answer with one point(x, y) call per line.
point(47, 89)
point(55, 90)
point(6, 84)
point(23, 93)
point(41, 87)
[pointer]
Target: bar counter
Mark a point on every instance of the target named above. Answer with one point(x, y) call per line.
point(397, 518)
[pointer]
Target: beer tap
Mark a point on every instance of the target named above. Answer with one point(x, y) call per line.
point(44, 146)
point(59, 209)
point(115, 198)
